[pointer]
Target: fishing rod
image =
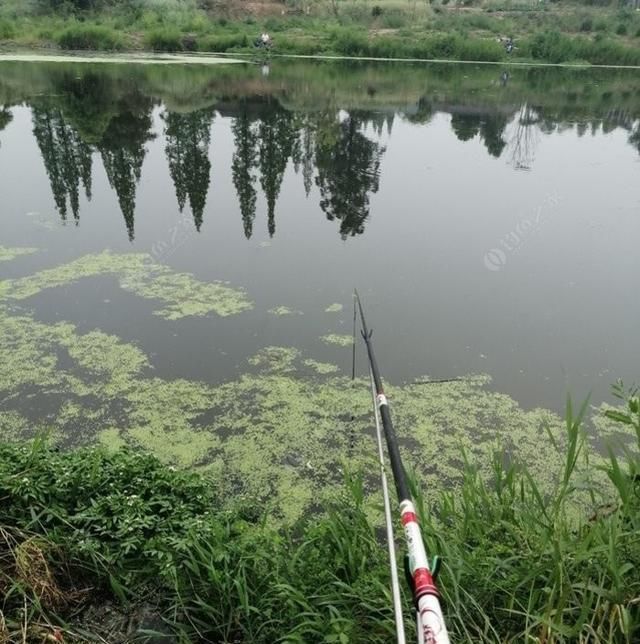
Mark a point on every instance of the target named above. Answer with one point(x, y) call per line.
point(431, 626)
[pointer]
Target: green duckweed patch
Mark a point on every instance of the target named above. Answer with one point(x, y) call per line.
point(7, 254)
point(337, 339)
point(323, 368)
point(275, 359)
point(284, 310)
point(280, 434)
point(181, 294)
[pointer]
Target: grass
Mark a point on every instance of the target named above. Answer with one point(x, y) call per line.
point(398, 29)
point(89, 37)
point(81, 528)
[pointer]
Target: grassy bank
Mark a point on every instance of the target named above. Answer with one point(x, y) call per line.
point(166, 553)
point(439, 30)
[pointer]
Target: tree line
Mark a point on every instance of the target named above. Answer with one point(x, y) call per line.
point(338, 153)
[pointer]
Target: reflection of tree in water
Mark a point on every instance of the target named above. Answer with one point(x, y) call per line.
point(524, 138)
point(465, 126)
point(188, 138)
point(303, 153)
point(277, 134)
point(490, 127)
point(67, 159)
point(245, 161)
point(634, 137)
point(123, 151)
point(89, 102)
point(5, 118)
point(492, 131)
point(348, 166)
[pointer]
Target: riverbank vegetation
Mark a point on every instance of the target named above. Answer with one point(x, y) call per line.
point(165, 552)
point(555, 32)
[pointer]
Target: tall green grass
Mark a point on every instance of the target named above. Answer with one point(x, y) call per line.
point(522, 563)
point(90, 37)
point(554, 47)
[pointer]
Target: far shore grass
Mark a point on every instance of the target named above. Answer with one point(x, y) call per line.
point(549, 33)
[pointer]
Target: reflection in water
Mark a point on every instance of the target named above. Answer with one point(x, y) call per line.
point(277, 133)
point(188, 137)
point(525, 138)
point(278, 120)
point(243, 166)
point(123, 152)
point(5, 119)
point(348, 165)
point(67, 159)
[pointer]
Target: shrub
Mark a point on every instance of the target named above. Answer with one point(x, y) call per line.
point(165, 39)
point(90, 37)
point(586, 25)
point(7, 30)
point(224, 43)
point(350, 42)
point(553, 47)
point(621, 29)
point(601, 25)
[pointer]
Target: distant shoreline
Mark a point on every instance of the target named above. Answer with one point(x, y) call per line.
point(546, 34)
point(216, 58)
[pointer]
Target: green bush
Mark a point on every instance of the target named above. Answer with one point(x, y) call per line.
point(94, 37)
point(350, 42)
point(621, 29)
point(7, 30)
point(224, 43)
point(601, 25)
point(552, 47)
point(586, 25)
point(164, 39)
point(114, 526)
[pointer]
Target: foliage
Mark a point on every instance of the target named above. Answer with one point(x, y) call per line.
point(94, 37)
point(519, 565)
point(164, 39)
point(349, 28)
point(7, 30)
point(554, 47)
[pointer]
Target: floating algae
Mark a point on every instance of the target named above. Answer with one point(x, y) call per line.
point(279, 436)
point(181, 293)
point(275, 358)
point(323, 368)
point(284, 310)
point(339, 340)
point(334, 308)
point(7, 254)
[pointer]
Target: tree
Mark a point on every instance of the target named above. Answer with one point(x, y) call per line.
point(277, 135)
point(67, 159)
point(465, 126)
point(5, 118)
point(188, 138)
point(492, 130)
point(243, 166)
point(348, 166)
point(123, 152)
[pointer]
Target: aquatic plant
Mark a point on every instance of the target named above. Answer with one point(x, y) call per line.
point(181, 293)
point(7, 254)
point(337, 339)
point(520, 564)
point(284, 310)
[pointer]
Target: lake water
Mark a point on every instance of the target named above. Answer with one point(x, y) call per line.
point(489, 218)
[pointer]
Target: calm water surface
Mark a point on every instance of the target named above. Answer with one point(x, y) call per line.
point(489, 218)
